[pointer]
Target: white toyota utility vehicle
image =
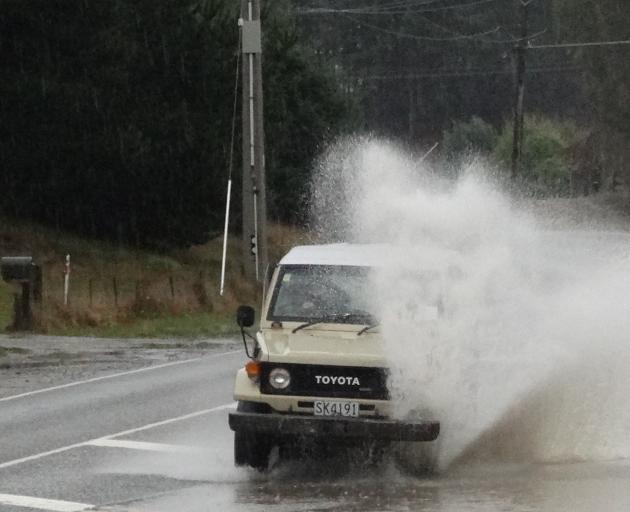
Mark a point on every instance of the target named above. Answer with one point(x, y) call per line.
point(317, 373)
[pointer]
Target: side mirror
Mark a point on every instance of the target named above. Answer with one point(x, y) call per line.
point(245, 316)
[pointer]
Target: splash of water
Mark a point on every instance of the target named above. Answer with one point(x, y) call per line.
point(515, 337)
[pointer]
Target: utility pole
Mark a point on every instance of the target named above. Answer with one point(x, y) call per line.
point(254, 195)
point(519, 97)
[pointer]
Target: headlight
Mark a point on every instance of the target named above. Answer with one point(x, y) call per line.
point(279, 378)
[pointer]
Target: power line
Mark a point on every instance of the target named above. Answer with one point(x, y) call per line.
point(387, 7)
point(578, 45)
point(400, 4)
point(397, 9)
point(415, 8)
point(480, 72)
point(459, 37)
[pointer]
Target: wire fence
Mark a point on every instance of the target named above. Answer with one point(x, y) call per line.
point(186, 290)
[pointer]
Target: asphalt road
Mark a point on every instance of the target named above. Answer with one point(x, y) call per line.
point(55, 442)
point(156, 439)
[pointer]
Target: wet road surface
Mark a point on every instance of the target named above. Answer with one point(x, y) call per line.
point(157, 440)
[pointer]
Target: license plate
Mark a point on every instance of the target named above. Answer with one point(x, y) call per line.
point(336, 408)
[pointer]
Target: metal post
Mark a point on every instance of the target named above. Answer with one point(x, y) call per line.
point(521, 49)
point(25, 321)
point(254, 194)
point(66, 280)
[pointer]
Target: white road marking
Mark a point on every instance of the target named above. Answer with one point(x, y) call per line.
point(36, 456)
point(171, 420)
point(115, 375)
point(40, 455)
point(143, 445)
point(43, 504)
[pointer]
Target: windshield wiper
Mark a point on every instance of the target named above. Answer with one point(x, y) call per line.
point(340, 317)
point(367, 328)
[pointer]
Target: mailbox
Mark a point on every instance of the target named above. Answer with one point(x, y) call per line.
point(17, 269)
point(21, 270)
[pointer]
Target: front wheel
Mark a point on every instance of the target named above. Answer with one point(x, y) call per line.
point(250, 448)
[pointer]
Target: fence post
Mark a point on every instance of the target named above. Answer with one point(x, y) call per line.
point(172, 286)
point(66, 280)
point(199, 288)
point(115, 286)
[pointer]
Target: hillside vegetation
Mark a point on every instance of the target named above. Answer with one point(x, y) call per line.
point(117, 291)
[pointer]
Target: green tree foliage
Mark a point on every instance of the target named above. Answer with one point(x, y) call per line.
point(308, 112)
point(546, 160)
point(419, 66)
point(117, 115)
point(466, 138)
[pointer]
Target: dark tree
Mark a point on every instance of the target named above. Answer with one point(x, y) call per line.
point(117, 115)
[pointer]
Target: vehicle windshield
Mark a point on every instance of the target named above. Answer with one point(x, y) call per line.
point(306, 293)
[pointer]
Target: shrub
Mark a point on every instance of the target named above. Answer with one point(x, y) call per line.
point(474, 137)
point(545, 161)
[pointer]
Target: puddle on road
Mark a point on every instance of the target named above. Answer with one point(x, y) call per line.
point(209, 481)
point(487, 488)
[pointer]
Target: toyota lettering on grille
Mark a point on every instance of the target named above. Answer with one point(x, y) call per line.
point(334, 379)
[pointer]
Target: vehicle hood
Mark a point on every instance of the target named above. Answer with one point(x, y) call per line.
point(314, 346)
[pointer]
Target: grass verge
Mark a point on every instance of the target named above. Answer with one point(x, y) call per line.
point(188, 325)
point(6, 305)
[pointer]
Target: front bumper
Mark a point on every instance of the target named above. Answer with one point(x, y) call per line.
point(301, 425)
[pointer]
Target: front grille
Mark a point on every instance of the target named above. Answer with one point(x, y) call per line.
point(329, 381)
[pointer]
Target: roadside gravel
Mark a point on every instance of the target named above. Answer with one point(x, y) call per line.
point(29, 362)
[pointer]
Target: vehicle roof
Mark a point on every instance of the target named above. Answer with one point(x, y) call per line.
point(359, 255)
point(369, 255)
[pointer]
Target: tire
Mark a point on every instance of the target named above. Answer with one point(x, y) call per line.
point(417, 459)
point(374, 454)
point(250, 448)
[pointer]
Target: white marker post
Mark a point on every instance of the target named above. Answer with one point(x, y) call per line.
point(225, 236)
point(66, 280)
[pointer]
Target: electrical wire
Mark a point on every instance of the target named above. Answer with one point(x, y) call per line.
point(399, 4)
point(235, 104)
point(578, 45)
point(513, 39)
point(391, 10)
point(231, 163)
point(455, 73)
point(455, 36)
point(460, 37)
